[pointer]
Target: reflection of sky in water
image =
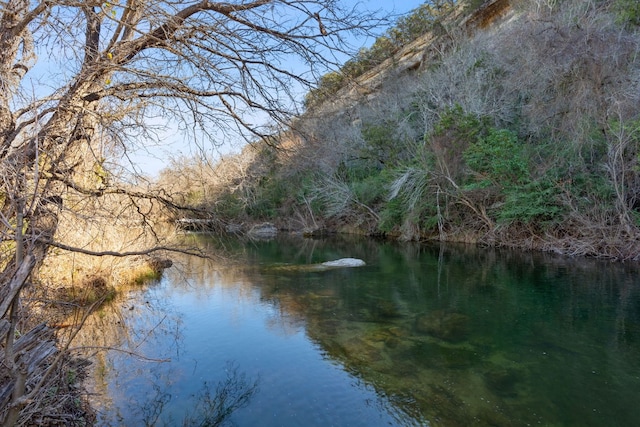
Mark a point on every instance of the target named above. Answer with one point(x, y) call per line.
point(456, 337)
point(229, 323)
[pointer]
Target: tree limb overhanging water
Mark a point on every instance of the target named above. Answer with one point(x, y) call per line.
point(84, 83)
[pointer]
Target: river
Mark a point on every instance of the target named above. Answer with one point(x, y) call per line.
point(422, 335)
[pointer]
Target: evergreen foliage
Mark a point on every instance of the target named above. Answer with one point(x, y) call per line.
point(628, 12)
point(498, 158)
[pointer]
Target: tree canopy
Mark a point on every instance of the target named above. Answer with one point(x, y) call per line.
point(83, 80)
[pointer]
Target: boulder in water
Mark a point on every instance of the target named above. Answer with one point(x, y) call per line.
point(345, 262)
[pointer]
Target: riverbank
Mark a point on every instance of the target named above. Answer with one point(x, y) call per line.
point(524, 133)
point(607, 242)
point(55, 317)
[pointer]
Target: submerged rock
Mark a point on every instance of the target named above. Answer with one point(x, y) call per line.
point(448, 326)
point(442, 355)
point(503, 381)
point(329, 265)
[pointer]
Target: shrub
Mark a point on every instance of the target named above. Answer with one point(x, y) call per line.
point(532, 202)
point(269, 196)
point(371, 190)
point(414, 199)
point(391, 215)
point(462, 125)
point(627, 12)
point(229, 205)
point(382, 144)
point(498, 157)
point(441, 156)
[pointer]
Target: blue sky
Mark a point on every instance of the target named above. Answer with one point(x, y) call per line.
point(153, 159)
point(399, 6)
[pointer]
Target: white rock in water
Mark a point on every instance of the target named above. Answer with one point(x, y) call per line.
point(345, 262)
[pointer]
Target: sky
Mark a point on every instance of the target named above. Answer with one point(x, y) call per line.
point(151, 160)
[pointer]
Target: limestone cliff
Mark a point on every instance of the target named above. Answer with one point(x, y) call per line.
point(416, 56)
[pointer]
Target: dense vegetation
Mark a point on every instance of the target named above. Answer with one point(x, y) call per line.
point(526, 134)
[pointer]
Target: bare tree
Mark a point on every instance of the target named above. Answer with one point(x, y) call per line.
point(82, 80)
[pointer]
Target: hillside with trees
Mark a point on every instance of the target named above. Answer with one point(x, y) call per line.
point(505, 123)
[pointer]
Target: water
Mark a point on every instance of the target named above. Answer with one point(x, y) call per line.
point(422, 335)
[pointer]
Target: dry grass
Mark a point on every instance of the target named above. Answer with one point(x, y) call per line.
point(95, 234)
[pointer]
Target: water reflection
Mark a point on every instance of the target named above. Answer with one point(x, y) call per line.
point(423, 335)
point(211, 406)
point(136, 326)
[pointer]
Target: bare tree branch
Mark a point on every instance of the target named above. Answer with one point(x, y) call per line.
point(82, 82)
point(121, 254)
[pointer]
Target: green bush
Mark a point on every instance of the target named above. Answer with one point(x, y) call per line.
point(268, 199)
point(443, 154)
point(532, 202)
point(461, 125)
point(328, 85)
point(382, 144)
point(499, 158)
point(391, 215)
point(356, 170)
point(229, 205)
point(589, 188)
point(371, 190)
point(627, 12)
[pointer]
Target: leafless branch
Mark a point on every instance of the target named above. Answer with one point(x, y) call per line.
point(126, 253)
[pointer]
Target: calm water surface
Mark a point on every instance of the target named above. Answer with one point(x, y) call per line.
point(420, 336)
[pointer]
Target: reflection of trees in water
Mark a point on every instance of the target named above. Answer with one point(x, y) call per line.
point(127, 327)
point(213, 407)
point(119, 335)
point(210, 407)
point(197, 276)
point(429, 364)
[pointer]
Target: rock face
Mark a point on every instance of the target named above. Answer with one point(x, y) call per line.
point(416, 56)
point(345, 262)
point(490, 13)
point(265, 230)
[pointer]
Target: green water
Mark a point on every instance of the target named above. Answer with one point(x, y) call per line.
point(422, 335)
